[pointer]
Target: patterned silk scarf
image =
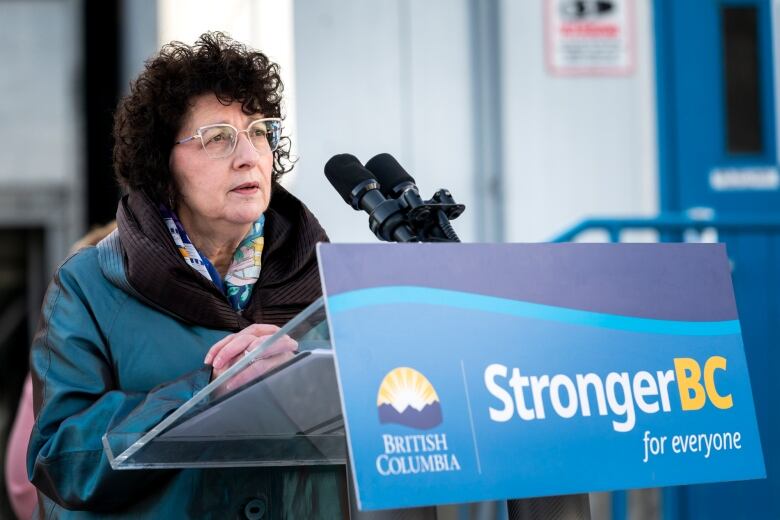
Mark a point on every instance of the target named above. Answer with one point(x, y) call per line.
point(244, 270)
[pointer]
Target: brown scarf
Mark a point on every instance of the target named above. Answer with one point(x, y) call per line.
point(289, 279)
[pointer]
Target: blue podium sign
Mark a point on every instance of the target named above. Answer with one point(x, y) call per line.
point(482, 372)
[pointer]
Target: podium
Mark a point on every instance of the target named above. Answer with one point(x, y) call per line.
point(258, 414)
point(467, 373)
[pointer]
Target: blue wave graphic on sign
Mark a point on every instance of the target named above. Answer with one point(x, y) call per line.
point(392, 295)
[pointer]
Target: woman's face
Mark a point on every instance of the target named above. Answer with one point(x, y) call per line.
point(227, 193)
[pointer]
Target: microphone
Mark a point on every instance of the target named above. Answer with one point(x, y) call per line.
point(361, 190)
point(356, 185)
point(392, 177)
point(431, 219)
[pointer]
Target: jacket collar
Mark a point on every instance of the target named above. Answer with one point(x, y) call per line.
point(155, 269)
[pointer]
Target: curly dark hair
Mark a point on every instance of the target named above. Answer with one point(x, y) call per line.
point(148, 119)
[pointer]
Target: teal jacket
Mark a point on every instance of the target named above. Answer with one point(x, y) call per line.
point(104, 355)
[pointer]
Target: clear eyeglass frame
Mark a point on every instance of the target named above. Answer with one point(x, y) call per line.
point(272, 135)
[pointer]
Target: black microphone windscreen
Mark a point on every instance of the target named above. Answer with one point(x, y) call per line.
point(388, 172)
point(344, 172)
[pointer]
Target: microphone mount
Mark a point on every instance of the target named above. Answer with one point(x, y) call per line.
point(397, 212)
point(389, 223)
point(429, 219)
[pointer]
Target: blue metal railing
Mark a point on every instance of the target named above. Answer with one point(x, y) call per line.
point(671, 224)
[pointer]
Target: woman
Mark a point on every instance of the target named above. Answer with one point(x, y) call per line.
point(208, 244)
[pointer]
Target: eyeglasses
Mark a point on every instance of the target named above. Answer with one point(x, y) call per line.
point(220, 140)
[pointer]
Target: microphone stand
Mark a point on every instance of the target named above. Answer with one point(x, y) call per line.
point(430, 219)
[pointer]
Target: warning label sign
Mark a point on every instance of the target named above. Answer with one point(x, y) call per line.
point(589, 37)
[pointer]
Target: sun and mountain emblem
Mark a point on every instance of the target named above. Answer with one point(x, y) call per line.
point(406, 397)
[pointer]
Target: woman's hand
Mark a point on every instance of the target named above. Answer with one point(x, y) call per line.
point(231, 349)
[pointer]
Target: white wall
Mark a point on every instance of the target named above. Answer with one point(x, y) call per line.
point(574, 146)
point(41, 125)
point(390, 76)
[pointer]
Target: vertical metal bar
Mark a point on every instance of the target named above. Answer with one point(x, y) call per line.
point(670, 503)
point(601, 505)
point(488, 121)
point(644, 504)
point(138, 38)
point(664, 67)
point(619, 505)
point(767, 72)
point(775, 52)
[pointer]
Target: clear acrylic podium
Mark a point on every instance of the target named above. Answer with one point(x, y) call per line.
point(277, 407)
point(257, 413)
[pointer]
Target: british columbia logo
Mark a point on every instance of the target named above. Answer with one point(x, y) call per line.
point(406, 397)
